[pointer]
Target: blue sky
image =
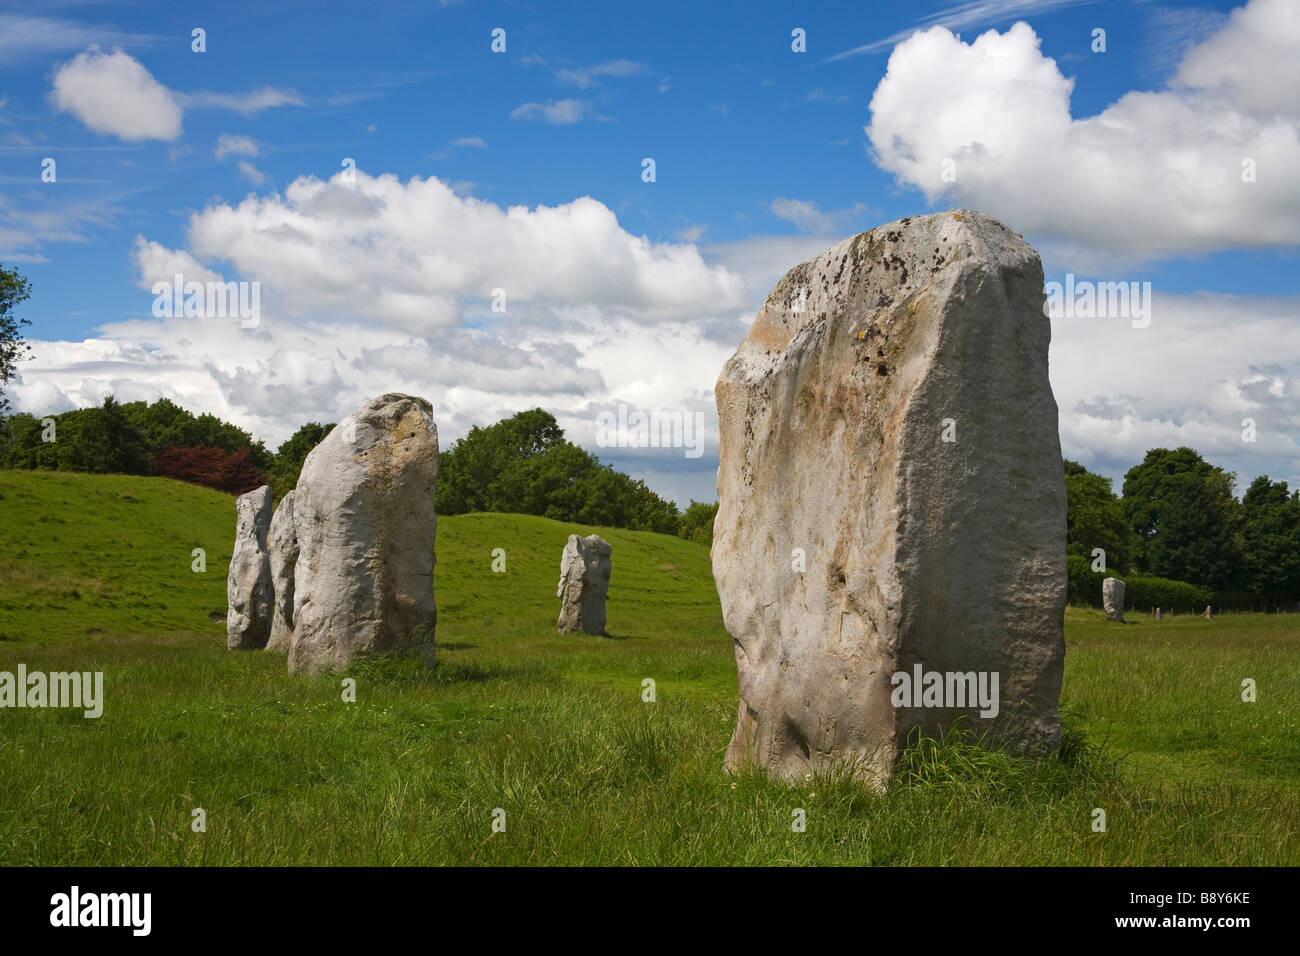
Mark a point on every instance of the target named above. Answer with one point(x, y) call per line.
point(763, 156)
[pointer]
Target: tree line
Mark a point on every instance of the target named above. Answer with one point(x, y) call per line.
point(522, 464)
point(1178, 520)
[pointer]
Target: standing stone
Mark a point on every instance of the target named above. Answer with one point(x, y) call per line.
point(892, 499)
point(282, 543)
point(365, 524)
point(248, 585)
point(584, 582)
point(1112, 598)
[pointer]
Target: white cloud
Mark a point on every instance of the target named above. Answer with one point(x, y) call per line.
point(248, 103)
point(417, 255)
point(1252, 62)
point(1152, 174)
point(1183, 381)
point(26, 36)
point(584, 77)
point(555, 112)
point(809, 218)
point(968, 13)
point(112, 93)
point(251, 173)
point(234, 145)
point(475, 142)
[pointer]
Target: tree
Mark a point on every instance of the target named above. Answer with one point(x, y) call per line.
point(231, 471)
point(469, 470)
point(1271, 541)
point(1186, 521)
point(14, 290)
point(1094, 518)
point(101, 440)
point(289, 457)
point(697, 521)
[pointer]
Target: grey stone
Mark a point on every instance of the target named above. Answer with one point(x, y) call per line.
point(916, 552)
point(584, 583)
point(282, 543)
point(248, 585)
point(365, 525)
point(1112, 598)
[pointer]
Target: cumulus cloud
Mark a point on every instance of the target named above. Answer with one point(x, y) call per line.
point(1155, 173)
point(414, 253)
point(555, 112)
point(112, 93)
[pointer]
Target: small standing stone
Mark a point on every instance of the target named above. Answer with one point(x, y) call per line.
point(1112, 598)
point(584, 582)
point(248, 585)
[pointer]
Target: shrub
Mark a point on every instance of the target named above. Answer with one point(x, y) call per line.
point(1142, 591)
point(210, 467)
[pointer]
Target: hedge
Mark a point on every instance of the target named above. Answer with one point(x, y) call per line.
point(1142, 591)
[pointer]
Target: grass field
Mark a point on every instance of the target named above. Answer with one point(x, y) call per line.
point(95, 574)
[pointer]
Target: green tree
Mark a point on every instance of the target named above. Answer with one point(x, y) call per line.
point(1095, 518)
point(697, 521)
point(1271, 541)
point(1186, 521)
point(103, 440)
point(14, 290)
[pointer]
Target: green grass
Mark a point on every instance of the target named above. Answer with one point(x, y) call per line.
point(553, 729)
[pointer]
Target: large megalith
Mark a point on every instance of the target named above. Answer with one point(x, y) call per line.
point(889, 546)
point(282, 544)
point(584, 582)
point(248, 585)
point(365, 525)
point(1112, 598)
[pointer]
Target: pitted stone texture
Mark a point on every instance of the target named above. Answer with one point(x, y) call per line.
point(282, 543)
point(248, 585)
point(1112, 598)
point(365, 524)
point(949, 554)
point(584, 583)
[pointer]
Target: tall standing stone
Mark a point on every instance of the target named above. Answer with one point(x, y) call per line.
point(248, 585)
point(282, 543)
point(1112, 598)
point(892, 499)
point(365, 524)
point(584, 582)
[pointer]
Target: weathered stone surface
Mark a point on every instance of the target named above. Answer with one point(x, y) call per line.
point(248, 585)
point(282, 543)
point(364, 519)
point(915, 550)
point(584, 582)
point(1112, 598)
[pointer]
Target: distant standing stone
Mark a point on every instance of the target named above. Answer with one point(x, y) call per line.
point(248, 585)
point(584, 582)
point(1112, 598)
point(282, 543)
